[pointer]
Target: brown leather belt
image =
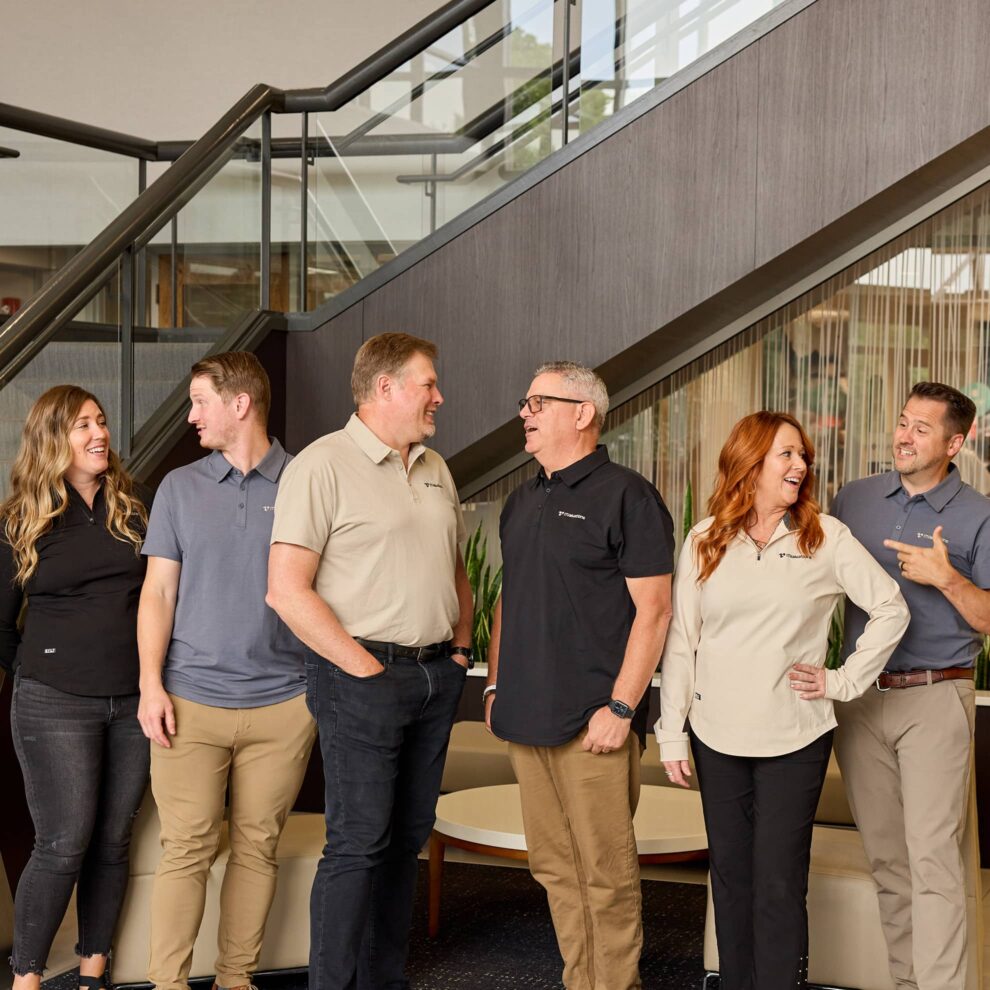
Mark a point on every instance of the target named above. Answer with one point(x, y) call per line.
point(915, 678)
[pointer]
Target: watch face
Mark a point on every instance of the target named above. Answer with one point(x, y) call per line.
point(620, 709)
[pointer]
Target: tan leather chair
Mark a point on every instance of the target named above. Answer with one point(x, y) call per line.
point(287, 933)
point(846, 943)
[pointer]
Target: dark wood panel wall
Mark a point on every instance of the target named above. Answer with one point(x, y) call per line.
point(800, 146)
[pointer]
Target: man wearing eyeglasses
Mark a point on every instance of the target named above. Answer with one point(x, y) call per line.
point(587, 547)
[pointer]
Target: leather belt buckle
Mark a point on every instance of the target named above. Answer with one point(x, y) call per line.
point(882, 690)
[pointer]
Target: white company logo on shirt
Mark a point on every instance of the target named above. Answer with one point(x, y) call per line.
point(928, 536)
point(268, 508)
point(50, 649)
point(569, 515)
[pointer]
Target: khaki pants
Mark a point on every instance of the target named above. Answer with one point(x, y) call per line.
point(577, 812)
point(262, 753)
point(905, 759)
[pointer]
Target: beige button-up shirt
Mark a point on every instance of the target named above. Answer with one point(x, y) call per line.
point(733, 639)
point(387, 537)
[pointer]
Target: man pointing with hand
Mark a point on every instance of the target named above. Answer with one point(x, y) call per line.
point(904, 746)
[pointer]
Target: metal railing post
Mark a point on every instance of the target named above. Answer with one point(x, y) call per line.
point(266, 210)
point(126, 351)
point(174, 232)
point(565, 81)
point(304, 214)
point(141, 288)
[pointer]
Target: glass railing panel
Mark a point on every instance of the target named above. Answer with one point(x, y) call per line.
point(85, 352)
point(55, 197)
point(381, 163)
point(623, 49)
point(203, 274)
point(481, 107)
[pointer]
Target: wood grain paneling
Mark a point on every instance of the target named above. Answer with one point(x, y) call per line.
point(593, 258)
point(318, 378)
point(854, 96)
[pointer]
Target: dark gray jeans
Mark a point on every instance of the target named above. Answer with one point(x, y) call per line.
point(384, 741)
point(85, 766)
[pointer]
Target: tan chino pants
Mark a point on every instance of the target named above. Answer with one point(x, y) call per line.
point(263, 753)
point(905, 760)
point(577, 812)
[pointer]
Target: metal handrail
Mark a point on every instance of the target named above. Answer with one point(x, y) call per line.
point(23, 336)
point(61, 129)
point(33, 326)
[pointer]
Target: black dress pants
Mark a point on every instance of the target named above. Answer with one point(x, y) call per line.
point(759, 813)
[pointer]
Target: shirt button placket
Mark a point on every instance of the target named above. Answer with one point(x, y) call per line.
point(242, 504)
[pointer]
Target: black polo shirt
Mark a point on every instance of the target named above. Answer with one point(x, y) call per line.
point(568, 544)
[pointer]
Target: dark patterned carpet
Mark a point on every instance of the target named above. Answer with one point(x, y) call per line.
point(497, 935)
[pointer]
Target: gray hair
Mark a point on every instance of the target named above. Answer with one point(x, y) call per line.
point(586, 382)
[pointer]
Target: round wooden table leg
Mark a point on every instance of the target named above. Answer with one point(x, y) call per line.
point(437, 846)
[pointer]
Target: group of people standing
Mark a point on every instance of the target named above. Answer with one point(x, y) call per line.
point(265, 600)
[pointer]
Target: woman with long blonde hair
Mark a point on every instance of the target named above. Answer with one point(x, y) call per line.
point(72, 529)
point(743, 681)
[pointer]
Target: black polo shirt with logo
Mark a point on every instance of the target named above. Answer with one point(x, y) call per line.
point(568, 544)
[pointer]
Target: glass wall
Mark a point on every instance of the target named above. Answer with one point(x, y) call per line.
point(842, 358)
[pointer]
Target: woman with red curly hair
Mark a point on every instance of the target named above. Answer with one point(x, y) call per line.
point(743, 680)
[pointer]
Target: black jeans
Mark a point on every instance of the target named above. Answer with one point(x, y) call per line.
point(759, 813)
point(85, 766)
point(384, 741)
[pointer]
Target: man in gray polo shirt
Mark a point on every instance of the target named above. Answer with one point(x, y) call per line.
point(904, 746)
point(222, 678)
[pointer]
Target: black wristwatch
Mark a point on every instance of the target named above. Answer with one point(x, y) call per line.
point(620, 709)
point(464, 651)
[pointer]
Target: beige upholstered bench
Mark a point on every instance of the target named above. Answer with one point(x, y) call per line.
point(846, 945)
point(287, 934)
point(477, 759)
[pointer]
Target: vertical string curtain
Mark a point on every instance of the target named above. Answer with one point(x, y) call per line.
point(842, 359)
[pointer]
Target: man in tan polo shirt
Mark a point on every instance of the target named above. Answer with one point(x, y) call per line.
point(365, 570)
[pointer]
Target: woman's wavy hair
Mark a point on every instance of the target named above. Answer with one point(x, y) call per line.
point(38, 494)
point(739, 465)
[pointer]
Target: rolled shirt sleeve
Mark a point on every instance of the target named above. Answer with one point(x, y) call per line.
point(867, 585)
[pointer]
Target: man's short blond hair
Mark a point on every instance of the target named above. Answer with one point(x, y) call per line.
point(585, 381)
point(235, 372)
point(385, 354)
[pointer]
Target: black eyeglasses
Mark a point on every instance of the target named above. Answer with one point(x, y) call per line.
point(535, 402)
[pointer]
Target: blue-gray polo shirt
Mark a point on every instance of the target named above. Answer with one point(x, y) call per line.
point(878, 509)
point(228, 648)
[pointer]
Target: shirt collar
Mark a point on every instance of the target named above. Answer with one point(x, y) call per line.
point(376, 449)
point(579, 470)
point(938, 497)
point(270, 466)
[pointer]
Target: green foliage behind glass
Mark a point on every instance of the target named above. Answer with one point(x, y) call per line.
point(485, 587)
point(982, 673)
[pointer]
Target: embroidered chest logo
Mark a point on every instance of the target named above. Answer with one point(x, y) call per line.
point(928, 536)
point(432, 484)
point(570, 515)
point(794, 556)
point(268, 508)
